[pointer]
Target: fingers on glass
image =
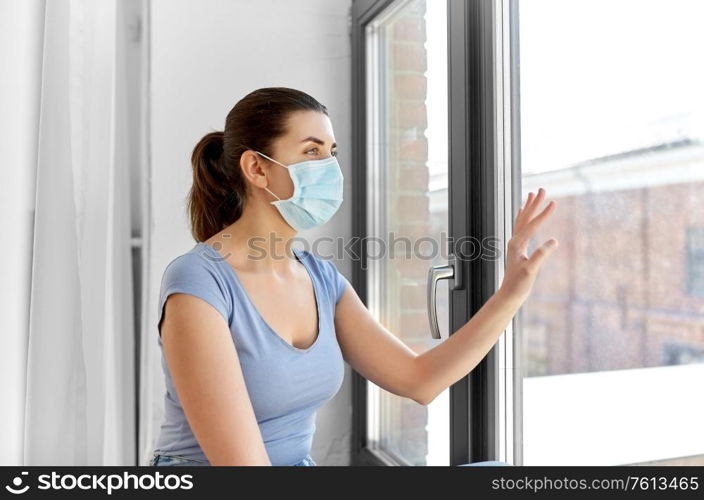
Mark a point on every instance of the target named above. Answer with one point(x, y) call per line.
point(530, 203)
point(529, 199)
point(541, 253)
point(519, 219)
point(526, 219)
point(536, 201)
point(540, 218)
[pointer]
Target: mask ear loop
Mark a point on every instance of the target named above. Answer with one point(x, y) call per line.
point(284, 166)
point(272, 194)
point(268, 158)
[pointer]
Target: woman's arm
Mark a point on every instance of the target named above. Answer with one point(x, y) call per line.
point(455, 357)
point(205, 368)
point(372, 350)
point(381, 357)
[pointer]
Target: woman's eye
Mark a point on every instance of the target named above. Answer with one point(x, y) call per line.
point(334, 153)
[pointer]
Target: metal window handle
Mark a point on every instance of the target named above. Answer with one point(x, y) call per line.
point(450, 271)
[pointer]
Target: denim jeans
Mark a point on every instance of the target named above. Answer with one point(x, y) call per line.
point(159, 459)
point(488, 463)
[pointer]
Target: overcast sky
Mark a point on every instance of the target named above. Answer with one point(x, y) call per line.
point(604, 76)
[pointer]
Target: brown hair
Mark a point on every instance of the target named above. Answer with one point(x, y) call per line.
point(219, 190)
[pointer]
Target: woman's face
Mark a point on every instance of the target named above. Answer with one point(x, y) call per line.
point(309, 137)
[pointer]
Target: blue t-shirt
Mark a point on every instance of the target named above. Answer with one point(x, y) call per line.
point(285, 384)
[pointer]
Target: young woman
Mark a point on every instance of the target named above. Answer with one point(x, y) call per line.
point(253, 332)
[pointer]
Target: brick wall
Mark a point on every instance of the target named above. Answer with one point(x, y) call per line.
point(614, 295)
point(408, 213)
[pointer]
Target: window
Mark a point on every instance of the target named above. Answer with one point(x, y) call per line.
point(612, 126)
point(407, 206)
point(695, 261)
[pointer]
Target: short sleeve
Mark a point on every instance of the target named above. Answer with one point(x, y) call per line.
point(189, 273)
point(338, 279)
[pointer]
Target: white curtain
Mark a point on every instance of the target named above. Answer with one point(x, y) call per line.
point(80, 392)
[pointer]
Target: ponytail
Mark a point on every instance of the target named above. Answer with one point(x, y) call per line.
point(217, 196)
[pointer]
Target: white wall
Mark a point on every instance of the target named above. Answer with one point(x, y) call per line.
point(205, 56)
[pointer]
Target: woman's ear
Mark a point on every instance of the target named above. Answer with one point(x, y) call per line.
point(253, 169)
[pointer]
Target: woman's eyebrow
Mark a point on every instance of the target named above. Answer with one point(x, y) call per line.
point(318, 141)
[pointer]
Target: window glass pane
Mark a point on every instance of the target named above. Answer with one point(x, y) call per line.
point(612, 126)
point(407, 201)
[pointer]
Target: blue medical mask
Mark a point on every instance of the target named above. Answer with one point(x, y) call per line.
point(317, 192)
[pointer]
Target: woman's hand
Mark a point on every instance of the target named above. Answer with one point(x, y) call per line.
point(522, 270)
